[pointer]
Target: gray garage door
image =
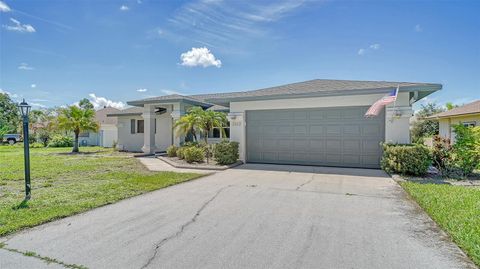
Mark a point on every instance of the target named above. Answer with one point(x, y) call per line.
point(338, 136)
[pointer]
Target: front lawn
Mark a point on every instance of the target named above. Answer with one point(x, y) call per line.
point(64, 184)
point(456, 209)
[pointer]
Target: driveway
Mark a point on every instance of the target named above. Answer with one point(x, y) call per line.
point(253, 216)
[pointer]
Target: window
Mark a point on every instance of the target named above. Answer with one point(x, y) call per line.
point(140, 126)
point(132, 126)
point(216, 133)
point(469, 124)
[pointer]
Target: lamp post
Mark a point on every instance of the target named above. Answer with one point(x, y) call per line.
point(25, 109)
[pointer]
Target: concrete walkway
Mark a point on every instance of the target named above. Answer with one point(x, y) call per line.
point(154, 164)
point(252, 216)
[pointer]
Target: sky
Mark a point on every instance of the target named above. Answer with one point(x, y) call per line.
point(54, 53)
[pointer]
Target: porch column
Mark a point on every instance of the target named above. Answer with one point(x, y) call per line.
point(176, 114)
point(149, 130)
point(237, 132)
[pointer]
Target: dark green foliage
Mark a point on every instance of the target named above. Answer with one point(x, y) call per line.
point(172, 151)
point(226, 152)
point(406, 159)
point(442, 154)
point(466, 150)
point(424, 127)
point(194, 154)
point(60, 141)
point(9, 114)
point(180, 152)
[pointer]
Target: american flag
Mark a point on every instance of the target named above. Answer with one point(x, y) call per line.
point(375, 109)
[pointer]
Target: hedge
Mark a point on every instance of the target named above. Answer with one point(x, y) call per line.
point(406, 159)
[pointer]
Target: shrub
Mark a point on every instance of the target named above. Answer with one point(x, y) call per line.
point(181, 152)
point(194, 154)
point(226, 152)
point(442, 154)
point(37, 145)
point(59, 141)
point(466, 150)
point(406, 159)
point(172, 151)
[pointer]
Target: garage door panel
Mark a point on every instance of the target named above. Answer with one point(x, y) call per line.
point(315, 136)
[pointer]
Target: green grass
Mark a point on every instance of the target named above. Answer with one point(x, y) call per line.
point(456, 209)
point(64, 184)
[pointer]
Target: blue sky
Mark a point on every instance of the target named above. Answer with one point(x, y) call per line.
point(57, 52)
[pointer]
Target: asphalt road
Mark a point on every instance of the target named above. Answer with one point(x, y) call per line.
point(254, 216)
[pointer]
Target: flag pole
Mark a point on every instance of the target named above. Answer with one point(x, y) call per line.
point(395, 102)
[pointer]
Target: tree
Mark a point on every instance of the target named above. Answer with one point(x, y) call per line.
point(450, 106)
point(77, 119)
point(423, 126)
point(186, 125)
point(85, 104)
point(9, 114)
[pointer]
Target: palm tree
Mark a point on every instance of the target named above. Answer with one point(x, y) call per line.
point(77, 120)
point(186, 125)
point(209, 120)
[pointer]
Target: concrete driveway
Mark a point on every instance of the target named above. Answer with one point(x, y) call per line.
point(254, 216)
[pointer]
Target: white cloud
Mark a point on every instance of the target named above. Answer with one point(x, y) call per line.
point(168, 92)
point(372, 47)
point(38, 105)
point(124, 8)
point(12, 95)
point(100, 102)
point(418, 28)
point(375, 46)
point(18, 27)
point(4, 7)
point(361, 51)
point(226, 23)
point(142, 90)
point(199, 57)
point(25, 66)
point(33, 85)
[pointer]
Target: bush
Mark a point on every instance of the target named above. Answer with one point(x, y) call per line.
point(194, 154)
point(37, 145)
point(466, 150)
point(406, 159)
point(442, 154)
point(172, 151)
point(59, 141)
point(226, 152)
point(181, 152)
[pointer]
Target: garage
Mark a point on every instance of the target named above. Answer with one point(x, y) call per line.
point(327, 136)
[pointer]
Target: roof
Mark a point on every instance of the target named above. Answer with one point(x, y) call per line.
point(310, 88)
point(169, 99)
point(101, 115)
point(131, 111)
point(470, 108)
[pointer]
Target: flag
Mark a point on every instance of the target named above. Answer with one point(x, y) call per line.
point(375, 109)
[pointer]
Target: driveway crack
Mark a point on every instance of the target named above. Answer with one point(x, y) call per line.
point(306, 182)
point(183, 227)
point(46, 259)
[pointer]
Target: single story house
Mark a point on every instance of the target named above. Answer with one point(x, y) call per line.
point(468, 115)
point(107, 134)
point(316, 122)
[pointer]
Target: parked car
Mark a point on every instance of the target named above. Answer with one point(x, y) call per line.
point(11, 138)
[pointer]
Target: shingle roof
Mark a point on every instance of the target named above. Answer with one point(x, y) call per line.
point(322, 86)
point(127, 112)
point(310, 87)
point(470, 108)
point(101, 115)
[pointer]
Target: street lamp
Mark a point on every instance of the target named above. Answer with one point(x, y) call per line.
point(25, 109)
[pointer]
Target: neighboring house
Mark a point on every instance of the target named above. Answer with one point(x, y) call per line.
point(468, 115)
point(316, 122)
point(107, 134)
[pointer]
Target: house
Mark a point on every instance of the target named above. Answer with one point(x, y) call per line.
point(316, 122)
point(468, 115)
point(107, 134)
